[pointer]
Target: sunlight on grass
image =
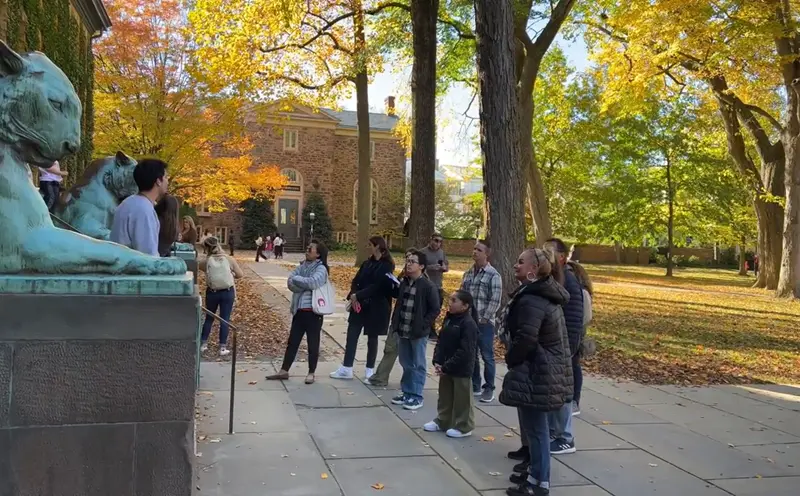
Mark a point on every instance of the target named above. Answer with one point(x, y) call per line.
point(703, 326)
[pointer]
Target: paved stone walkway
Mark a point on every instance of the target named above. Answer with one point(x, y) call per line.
point(343, 437)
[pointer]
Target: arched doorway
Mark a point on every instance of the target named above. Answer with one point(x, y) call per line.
point(289, 205)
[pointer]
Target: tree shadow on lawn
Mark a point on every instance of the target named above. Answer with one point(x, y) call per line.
point(683, 276)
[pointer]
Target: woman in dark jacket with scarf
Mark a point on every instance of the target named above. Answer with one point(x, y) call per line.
point(370, 303)
point(539, 378)
point(454, 360)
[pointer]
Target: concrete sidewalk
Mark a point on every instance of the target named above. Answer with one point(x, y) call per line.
point(345, 438)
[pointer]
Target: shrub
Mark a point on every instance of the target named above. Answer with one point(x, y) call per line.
point(258, 220)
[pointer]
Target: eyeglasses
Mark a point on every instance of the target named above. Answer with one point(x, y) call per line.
point(437, 240)
point(412, 261)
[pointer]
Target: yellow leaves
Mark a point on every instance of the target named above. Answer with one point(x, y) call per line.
point(323, 476)
point(487, 439)
point(377, 486)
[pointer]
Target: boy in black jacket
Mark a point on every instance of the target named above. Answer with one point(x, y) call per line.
point(454, 360)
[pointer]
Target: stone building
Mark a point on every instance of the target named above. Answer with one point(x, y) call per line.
point(318, 151)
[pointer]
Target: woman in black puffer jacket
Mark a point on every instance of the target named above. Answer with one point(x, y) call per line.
point(539, 378)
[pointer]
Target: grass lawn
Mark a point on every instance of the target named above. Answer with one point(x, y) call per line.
point(703, 326)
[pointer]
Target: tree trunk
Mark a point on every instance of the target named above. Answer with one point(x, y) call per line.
point(364, 204)
point(499, 121)
point(743, 257)
point(531, 53)
point(424, 15)
point(670, 219)
point(790, 258)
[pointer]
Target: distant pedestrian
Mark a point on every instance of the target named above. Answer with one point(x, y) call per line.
point(415, 312)
point(50, 183)
point(484, 283)
point(231, 243)
point(260, 249)
point(588, 291)
point(221, 271)
point(453, 360)
point(310, 275)
point(437, 266)
point(369, 306)
point(189, 232)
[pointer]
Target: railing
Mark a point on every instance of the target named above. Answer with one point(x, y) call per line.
point(233, 365)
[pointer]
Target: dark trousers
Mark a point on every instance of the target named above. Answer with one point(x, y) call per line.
point(354, 327)
point(577, 374)
point(224, 301)
point(50, 191)
point(260, 253)
point(310, 324)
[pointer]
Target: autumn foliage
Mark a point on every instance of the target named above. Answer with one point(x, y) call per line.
point(151, 101)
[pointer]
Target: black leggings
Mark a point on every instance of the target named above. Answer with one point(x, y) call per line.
point(310, 324)
point(353, 333)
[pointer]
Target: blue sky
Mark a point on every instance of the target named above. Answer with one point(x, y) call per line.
point(456, 132)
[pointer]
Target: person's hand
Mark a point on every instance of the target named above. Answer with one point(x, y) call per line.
point(353, 299)
point(438, 369)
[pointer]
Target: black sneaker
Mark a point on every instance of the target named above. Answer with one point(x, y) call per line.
point(522, 467)
point(527, 489)
point(562, 447)
point(521, 454)
point(518, 478)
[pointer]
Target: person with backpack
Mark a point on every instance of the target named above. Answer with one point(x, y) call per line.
point(221, 270)
point(308, 277)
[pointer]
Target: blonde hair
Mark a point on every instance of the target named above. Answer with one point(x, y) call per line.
point(543, 259)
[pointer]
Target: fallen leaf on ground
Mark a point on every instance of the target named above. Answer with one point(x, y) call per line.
point(323, 475)
point(253, 383)
point(606, 422)
point(488, 439)
point(378, 486)
point(284, 456)
point(215, 440)
point(653, 464)
point(495, 474)
point(509, 434)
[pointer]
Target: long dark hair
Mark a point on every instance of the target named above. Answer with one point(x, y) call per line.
point(467, 299)
point(381, 244)
point(322, 251)
point(167, 212)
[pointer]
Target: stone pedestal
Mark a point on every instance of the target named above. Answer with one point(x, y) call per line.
point(97, 385)
point(190, 257)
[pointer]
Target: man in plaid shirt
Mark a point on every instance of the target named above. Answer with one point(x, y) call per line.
point(483, 282)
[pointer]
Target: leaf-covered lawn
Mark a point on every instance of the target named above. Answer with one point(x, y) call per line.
point(701, 327)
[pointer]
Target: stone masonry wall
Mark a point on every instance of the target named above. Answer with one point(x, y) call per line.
point(98, 402)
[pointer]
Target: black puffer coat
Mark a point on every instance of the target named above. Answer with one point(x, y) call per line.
point(456, 348)
point(374, 291)
point(539, 365)
point(573, 310)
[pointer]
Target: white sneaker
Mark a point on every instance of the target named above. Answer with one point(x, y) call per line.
point(369, 373)
point(457, 433)
point(203, 347)
point(223, 351)
point(431, 427)
point(342, 373)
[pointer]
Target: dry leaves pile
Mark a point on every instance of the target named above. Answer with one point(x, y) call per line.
point(702, 327)
point(262, 329)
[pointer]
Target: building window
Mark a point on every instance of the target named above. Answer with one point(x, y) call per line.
point(290, 139)
point(372, 150)
point(221, 233)
point(291, 175)
point(373, 200)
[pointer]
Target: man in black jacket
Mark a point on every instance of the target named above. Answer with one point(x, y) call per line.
point(414, 313)
point(560, 421)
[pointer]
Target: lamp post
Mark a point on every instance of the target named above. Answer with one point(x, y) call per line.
point(312, 216)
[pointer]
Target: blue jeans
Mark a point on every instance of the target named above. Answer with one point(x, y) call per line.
point(224, 301)
point(560, 422)
point(412, 359)
point(534, 424)
point(577, 374)
point(485, 351)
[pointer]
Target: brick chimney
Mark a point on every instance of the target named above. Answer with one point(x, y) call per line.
point(389, 101)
